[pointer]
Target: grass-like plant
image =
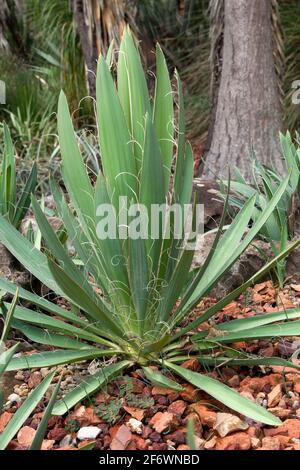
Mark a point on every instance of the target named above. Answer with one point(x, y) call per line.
point(134, 294)
point(280, 227)
point(14, 201)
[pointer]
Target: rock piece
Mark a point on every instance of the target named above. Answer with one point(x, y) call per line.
point(4, 420)
point(162, 422)
point(26, 435)
point(207, 417)
point(237, 441)
point(227, 423)
point(121, 439)
point(290, 428)
point(274, 396)
point(88, 432)
point(135, 426)
point(178, 407)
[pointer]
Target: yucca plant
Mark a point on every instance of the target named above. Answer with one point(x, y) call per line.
point(133, 293)
point(13, 206)
point(277, 230)
point(34, 398)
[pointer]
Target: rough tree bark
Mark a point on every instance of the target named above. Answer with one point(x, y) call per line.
point(247, 99)
point(98, 23)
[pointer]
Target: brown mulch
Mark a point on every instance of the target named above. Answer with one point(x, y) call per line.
point(131, 414)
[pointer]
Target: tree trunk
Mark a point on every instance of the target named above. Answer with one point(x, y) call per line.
point(248, 112)
point(98, 23)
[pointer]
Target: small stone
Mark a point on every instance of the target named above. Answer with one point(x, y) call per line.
point(66, 441)
point(34, 379)
point(248, 395)
point(26, 435)
point(135, 426)
point(291, 428)
point(44, 371)
point(163, 421)
point(190, 393)
point(227, 423)
point(154, 437)
point(191, 364)
point(170, 445)
point(161, 400)
point(121, 439)
point(20, 375)
point(21, 390)
point(207, 417)
point(159, 446)
point(234, 381)
point(47, 444)
point(178, 436)
point(281, 413)
point(136, 413)
point(5, 418)
point(14, 398)
point(237, 441)
point(85, 416)
point(156, 390)
point(211, 443)
point(88, 432)
point(140, 443)
point(270, 443)
point(57, 434)
point(274, 396)
point(199, 443)
point(178, 407)
point(183, 447)
point(255, 442)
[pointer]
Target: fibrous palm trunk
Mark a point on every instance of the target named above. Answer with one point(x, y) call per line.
point(98, 23)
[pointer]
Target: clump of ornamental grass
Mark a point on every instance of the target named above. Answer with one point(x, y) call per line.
point(14, 201)
point(130, 295)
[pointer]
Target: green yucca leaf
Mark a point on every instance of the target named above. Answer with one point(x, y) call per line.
point(133, 93)
point(259, 320)
point(116, 152)
point(9, 318)
point(152, 189)
point(24, 412)
point(139, 280)
point(272, 331)
point(190, 435)
point(5, 358)
point(56, 358)
point(161, 380)
point(88, 386)
point(42, 429)
point(163, 113)
point(41, 336)
point(96, 310)
point(235, 293)
point(76, 177)
point(46, 321)
point(226, 395)
point(23, 203)
point(247, 361)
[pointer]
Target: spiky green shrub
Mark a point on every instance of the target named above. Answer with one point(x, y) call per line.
point(14, 201)
point(280, 227)
point(133, 294)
